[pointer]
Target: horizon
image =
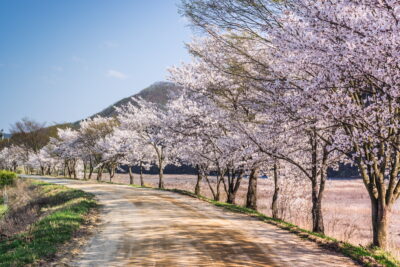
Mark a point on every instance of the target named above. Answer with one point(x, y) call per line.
point(66, 61)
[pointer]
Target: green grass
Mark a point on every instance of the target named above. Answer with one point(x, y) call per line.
point(7, 178)
point(3, 208)
point(66, 210)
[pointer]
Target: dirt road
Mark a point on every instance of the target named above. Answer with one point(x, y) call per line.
point(145, 227)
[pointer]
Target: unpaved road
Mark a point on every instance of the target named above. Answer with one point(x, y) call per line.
point(145, 227)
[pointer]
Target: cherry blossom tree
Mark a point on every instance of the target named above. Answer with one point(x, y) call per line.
point(12, 157)
point(348, 55)
point(91, 131)
point(146, 121)
point(124, 148)
point(340, 58)
point(209, 141)
point(276, 120)
point(67, 148)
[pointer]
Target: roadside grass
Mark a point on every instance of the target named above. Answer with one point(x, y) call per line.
point(64, 211)
point(3, 208)
point(363, 255)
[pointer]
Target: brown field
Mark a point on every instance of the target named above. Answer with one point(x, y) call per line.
point(346, 205)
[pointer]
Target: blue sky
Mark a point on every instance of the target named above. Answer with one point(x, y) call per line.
point(61, 61)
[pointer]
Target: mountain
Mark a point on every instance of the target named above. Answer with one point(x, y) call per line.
point(159, 92)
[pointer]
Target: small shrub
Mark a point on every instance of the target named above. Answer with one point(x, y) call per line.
point(7, 178)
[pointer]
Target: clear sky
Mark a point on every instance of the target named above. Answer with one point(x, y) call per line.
point(61, 61)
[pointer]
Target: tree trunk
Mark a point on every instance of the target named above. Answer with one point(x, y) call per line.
point(199, 178)
point(141, 174)
point(210, 186)
point(317, 190)
point(274, 206)
point(91, 169)
point(217, 196)
point(69, 170)
point(380, 222)
point(74, 170)
point(84, 170)
point(234, 180)
point(251, 201)
point(231, 199)
point(100, 173)
point(130, 175)
point(317, 218)
point(110, 171)
point(65, 169)
point(161, 175)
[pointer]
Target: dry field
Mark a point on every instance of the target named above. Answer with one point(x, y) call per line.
point(346, 205)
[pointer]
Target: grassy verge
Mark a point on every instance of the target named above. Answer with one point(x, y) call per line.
point(65, 210)
point(3, 208)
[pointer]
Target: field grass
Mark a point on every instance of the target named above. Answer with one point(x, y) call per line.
point(65, 211)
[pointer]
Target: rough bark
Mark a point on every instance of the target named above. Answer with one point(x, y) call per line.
point(380, 216)
point(130, 175)
point(210, 186)
point(234, 180)
point(198, 182)
point(69, 170)
point(160, 155)
point(251, 201)
point(111, 171)
point(74, 169)
point(275, 197)
point(161, 178)
point(141, 174)
point(100, 173)
point(317, 218)
point(84, 170)
point(91, 169)
point(317, 188)
point(65, 169)
point(220, 178)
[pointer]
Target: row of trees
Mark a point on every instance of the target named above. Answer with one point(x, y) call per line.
point(274, 87)
point(316, 77)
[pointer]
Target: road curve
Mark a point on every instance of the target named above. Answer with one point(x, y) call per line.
point(145, 227)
